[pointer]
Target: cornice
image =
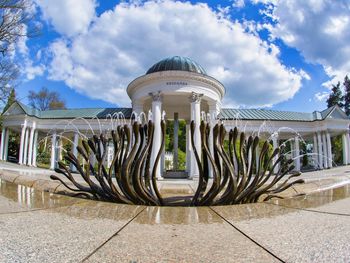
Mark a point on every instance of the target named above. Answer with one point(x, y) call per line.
point(164, 75)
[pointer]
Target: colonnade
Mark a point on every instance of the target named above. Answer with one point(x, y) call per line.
point(322, 147)
point(4, 144)
point(195, 110)
point(322, 150)
point(28, 144)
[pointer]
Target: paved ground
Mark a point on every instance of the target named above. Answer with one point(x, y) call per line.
point(38, 226)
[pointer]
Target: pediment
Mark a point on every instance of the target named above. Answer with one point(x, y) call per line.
point(15, 109)
point(337, 114)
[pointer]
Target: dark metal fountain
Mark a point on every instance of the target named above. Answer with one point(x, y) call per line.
point(237, 177)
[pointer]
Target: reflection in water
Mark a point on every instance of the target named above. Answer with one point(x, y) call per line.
point(178, 215)
point(316, 199)
point(86, 209)
point(31, 198)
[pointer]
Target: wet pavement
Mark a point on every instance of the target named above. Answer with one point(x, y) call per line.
point(175, 191)
point(37, 226)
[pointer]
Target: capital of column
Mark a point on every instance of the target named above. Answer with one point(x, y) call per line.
point(156, 96)
point(195, 97)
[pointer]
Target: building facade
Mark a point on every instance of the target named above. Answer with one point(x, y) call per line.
point(180, 87)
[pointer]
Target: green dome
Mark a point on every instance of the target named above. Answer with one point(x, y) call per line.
point(177, 63)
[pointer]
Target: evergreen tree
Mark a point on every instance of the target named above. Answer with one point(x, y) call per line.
point(346, 84)
point(11, 99)
point(335, 97)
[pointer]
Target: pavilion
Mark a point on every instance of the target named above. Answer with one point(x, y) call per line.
point(177, 88)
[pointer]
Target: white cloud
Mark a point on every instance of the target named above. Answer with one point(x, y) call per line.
point(31, 71)
point(123, 43)
point(26, 63)
point(68, 17)
point(321, 96)
point(238, 3)
point(318, 29)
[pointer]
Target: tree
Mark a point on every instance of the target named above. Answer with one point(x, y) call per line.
point(335, 97)
point(11, 99)
point(15, 23)
point(46, 100)
point(346, 84)
point(8, 75)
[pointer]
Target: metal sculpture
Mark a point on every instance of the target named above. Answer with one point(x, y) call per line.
point(234, 180)
point(128, 179)
point(131, 179)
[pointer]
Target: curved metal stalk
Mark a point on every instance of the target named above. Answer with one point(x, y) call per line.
point(128, 178)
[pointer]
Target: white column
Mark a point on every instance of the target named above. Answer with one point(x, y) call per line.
point(60, 148)
point(162, 162)
point(31, 143)
point(6, 145)
point(35, 148)
point(275, 146)
point(110, 153)
point(257, 156)
point(25, 152)
point(329, 150)
point(324, 150)
point(320, 152)
point(195, 100)
point(188, 149)
point(297, 154)
point(315, 151)
point(2, 146)
point(74, 150)
point(345, 148)
point(348, 144)
point(214, 110)
point(21, 145)
point(157, 137)
point(53, 151)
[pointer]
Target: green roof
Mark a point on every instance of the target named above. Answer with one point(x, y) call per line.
point(274, 115)
point(226, 114)
point(177, 63)
point(88, 113)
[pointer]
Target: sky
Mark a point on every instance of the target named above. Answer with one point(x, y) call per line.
point(282, 55)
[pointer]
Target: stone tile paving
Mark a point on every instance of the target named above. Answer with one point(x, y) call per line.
point(44, 227)
point(300, 236)
point(180, 234)
point(295, 235)
point(37, 226)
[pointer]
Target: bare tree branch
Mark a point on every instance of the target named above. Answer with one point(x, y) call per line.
point(45, 100)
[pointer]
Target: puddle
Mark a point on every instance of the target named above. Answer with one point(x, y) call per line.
point(316, 199)
point(31, 198)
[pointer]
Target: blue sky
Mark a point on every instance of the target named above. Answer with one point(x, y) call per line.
point(281, 55)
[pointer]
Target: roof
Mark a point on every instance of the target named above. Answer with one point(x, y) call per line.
point(177, 63)
point(227, 114)
point(88, 113)
point(274, 115)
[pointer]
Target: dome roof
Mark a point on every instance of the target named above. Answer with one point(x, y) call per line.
point(177, 63)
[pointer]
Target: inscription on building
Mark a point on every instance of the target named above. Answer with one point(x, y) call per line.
point(179, 83)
